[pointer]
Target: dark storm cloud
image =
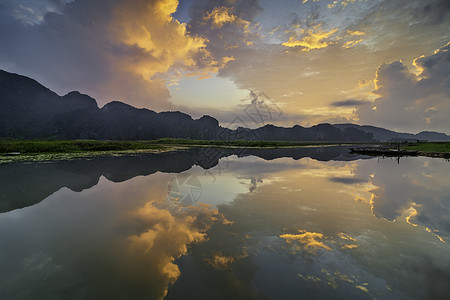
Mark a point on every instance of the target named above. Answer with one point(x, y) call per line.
point(93, 47)
point(435, 11)
point(60, 50)
point(347, 180)
point(228, 38)
point(31, 12)
point(416, 101)
point(436, 71)
point(349, 102)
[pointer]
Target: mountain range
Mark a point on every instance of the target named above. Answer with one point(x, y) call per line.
point(29, 110)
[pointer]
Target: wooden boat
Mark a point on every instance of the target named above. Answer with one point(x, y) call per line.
point(379, 151)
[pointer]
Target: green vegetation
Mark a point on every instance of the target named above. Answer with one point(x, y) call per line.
point(430, 147)
point(76, 146)
point(39, 150)
point(80, 146)
point(46, 150)
point(35, 150)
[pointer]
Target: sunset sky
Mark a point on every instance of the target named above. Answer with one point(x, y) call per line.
point(377, 62)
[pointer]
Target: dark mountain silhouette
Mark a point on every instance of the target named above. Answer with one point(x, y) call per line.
point(381, 134)
point(28, 110)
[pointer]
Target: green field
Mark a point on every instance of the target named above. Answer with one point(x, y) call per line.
point(77, 146)
point(46, 150)
point(37, 150)
point(30, 147)
point(432, 147)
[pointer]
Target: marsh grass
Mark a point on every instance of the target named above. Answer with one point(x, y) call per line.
point(44, 150)
point(76, 146)
point(436, 147)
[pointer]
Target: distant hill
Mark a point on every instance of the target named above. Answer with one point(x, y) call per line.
point(381, 134)
point(29, 110)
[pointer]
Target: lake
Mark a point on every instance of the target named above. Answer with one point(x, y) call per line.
point(309, 223)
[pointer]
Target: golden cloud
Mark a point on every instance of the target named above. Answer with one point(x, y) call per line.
point(220, 262)
point(158, 42)
point(350, 44)
point(313, 39)
point(166, 239)
point(351, 35)
point(220, 16)
point(343, 3)
point(345, 236)
point(419, 68)
point(356, 32)
point(348, 238)
point(307, 240)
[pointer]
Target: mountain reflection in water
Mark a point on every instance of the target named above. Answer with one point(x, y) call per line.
point(258, 226)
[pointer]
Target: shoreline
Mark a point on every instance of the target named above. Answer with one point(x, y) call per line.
point(41, 151)
point(54, 156)
point(434, 154)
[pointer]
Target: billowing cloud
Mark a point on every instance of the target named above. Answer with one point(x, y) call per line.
point(412, 102)
point(160, 41)
point(158, 251)
point(113, 50)
point(306, 56)
point(220, 262)
point(227, 25)
point(343, 50)
point(414, 190)
point(220, 15)
point(132, 243)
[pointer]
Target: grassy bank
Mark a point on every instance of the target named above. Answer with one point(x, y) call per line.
point(77, 146)
point(39, 151)
point(442, 147)
point(432, 149)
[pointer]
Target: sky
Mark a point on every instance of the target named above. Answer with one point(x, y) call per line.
point(246, 62)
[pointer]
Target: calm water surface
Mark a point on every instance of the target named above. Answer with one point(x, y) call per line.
point(315, 223)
